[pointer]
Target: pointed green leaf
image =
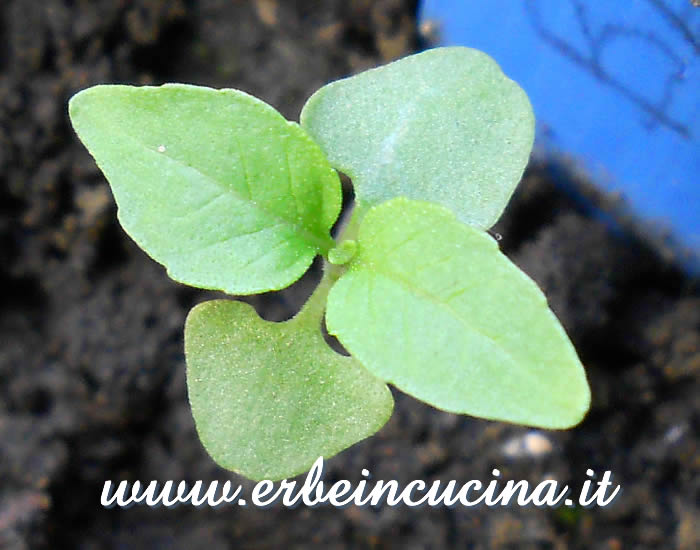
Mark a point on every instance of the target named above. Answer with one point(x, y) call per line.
point(269, 398)
point(432, 306)
point(214, 184)
point(445, 126)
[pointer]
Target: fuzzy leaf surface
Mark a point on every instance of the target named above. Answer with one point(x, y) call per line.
point(269, 398)
point(445, 126)
point(432, 306)
point(214, 184)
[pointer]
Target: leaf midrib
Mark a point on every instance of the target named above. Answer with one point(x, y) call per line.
point(412, 287)
point(320, 244)
point(444, 305)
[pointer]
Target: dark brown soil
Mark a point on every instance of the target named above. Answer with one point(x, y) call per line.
point(91, 364)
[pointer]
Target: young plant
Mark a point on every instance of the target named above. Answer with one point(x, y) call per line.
point(224, 192)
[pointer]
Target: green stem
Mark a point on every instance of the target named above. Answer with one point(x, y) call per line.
point(315, 306)
point(351, 228)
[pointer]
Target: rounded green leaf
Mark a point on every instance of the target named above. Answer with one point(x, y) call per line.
point(269, 398)
point(214, 184)
point(432, 306)
point(445, 126)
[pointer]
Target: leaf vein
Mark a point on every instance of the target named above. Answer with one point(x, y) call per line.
point(441, 302)
point(319, 243)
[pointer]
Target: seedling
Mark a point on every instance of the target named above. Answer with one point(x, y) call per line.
point(224, 192)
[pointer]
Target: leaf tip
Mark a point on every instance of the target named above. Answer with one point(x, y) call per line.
point(76, 102)
point(575, 407)
point(582, 405)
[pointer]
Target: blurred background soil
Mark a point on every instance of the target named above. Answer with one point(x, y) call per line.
point(91, 361)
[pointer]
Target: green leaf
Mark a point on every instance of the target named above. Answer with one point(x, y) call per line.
point(445, 125)
point(432, 306)
point(214, 184)
point(343, 253)
point(269, 398)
